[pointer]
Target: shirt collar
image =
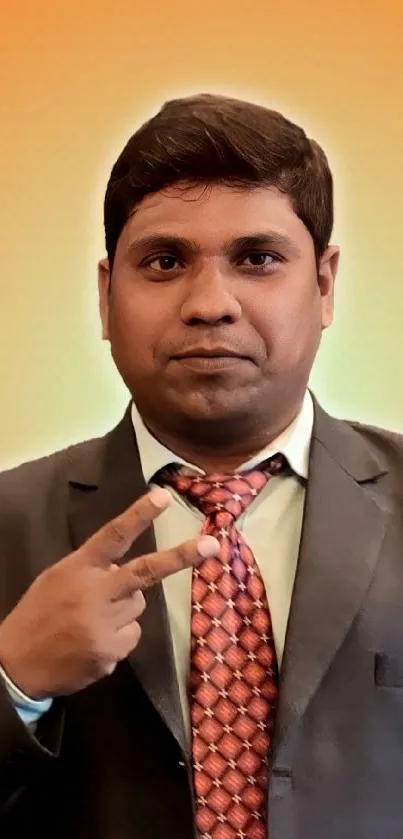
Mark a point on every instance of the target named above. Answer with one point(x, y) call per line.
point(294, 443)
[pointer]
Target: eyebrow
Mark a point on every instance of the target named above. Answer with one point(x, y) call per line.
point(269, 239)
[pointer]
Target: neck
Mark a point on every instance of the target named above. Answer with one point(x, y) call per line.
point(225, 457)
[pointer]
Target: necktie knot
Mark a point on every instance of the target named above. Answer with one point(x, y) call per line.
point(221, 497)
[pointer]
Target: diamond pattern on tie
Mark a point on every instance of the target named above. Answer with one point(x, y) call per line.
point(234, 676)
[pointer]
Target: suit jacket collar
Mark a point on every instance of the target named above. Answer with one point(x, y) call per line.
point(347, 446)
point(343, 528)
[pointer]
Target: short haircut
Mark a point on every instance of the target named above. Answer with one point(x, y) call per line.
point(208, 139)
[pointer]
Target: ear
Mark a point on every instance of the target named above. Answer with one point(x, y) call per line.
point(327, 270)
point(104, 282)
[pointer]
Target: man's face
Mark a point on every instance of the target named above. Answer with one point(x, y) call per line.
point(215, 306)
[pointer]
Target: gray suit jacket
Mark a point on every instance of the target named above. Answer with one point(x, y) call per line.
point(111, 762)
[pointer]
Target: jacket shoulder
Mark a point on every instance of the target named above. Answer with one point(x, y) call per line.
point(37, 491)
point(34, 527)
point(388, 444)
point(47, 469)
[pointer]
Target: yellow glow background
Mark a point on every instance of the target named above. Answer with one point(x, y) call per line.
point(77, 78)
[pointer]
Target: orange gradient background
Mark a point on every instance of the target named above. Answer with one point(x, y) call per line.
point(78, 78)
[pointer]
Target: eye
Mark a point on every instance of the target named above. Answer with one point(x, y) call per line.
point(259, 259)
point(162, 263)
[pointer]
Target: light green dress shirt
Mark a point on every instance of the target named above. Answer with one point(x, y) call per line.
point(271, 525)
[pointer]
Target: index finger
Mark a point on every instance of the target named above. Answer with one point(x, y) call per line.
point(145, 571)
point(115, 538)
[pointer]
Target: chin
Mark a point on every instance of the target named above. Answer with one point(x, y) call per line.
point(213, 408)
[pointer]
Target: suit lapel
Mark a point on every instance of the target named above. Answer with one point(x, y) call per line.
point(342, 534)
point(103, 481)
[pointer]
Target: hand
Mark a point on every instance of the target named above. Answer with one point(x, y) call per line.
point(79, 618)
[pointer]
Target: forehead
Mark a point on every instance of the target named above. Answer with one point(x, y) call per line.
point(212, 214)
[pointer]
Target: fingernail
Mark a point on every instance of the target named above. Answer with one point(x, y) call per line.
point(160, 497)
point(208, 546)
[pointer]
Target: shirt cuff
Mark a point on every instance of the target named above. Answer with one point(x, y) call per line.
point(29, 710)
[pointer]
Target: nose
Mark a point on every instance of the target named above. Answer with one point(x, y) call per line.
point(209, 299)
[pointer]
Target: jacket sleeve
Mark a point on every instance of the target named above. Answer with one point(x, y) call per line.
point(33, 535)
point(24, 758)
point(29, 710)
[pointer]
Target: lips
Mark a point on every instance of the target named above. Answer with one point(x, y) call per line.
point(204, 352)
point(211, 360)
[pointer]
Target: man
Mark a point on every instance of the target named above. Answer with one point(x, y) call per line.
point(248, 683)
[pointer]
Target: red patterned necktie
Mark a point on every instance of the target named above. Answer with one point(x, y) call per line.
point(234, 675)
